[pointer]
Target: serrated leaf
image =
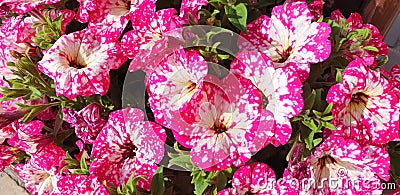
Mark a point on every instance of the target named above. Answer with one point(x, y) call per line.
point(157, 183)
point(237, 15)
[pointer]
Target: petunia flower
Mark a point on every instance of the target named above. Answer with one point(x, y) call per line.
point(7, 156)
point(39, 180)
point(128, 145)
point(280, 90)
point(338, 165)
point(223, 133)
point(108, 18)
point(178, 79)
point(87, 122)
point(351, 48)
point(364, 108)
point(315, 7)
point(289, 38)
point(21, 7)
point(254, 178)
point(28, 138)
point(148, 37)
point(80, 65)
point(81, 184)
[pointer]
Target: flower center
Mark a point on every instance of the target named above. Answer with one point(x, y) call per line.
point(249, 193)
point(130, 152)
point(219, 127)
point(76, 65)
point(189, 88)
point(359, 97)
point(284, 54)
point(326, 160)
point(264, 101)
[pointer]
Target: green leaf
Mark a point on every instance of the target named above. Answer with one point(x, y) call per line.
point(309, 101)
point(157, 183)
point(184, 162)
point(199, 181)
point(317, 141)
point(328, 109)
point(237, 15)
point(327, 118)
point(83, 162)
point(310, 124)
point(309, 141)
point(371, 48)
point(329, 126)
point(339, 75)
point(316, 113)
point(218, 1)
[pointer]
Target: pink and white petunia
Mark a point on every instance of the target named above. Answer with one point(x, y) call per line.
point(191, 7)
point(81, 185)
point(147, 40)
point(87, 122)
point(108, 18)
point(177, 80)
point(364, 107)
point(21, 7)
point(351, 49)
point(289, 38)
point(39, 180)
point(128, 145)
point(223, 133)
point(254, 178)
point(80, 65)
point(7, 156)
point(280, 90)
point(28, 138)
point(338, 165)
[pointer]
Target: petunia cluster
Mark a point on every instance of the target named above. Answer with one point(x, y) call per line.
point(167, 97)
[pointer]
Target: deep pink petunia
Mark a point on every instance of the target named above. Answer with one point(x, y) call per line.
point(338, 165)
point(147, 39)
point(21, 7)
point(280, 90)
point(227, 120)
point(289, 38)
point(315, 7)
point(107, 19)
point(81, 184)
point(80, 65)
point(254, 178)
point(28, 138)
point(191, 7)
point(87, 122)
point(364, 107)
point(7, 156)
point(128, 145)
point(350, 48)
point(38, 180)
point(178, 79)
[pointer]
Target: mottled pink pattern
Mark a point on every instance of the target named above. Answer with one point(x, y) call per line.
point(345, 161)
point(191, 7)
point(41, 147)
point(281, 90)
point(81, 184)
point(87, 122)
point(315, 7)
point(80, 65)
point(254, 178)
point(128, 145)
point(227, 119)
point(289, 38)
point(364, 107)
point(177, 80)
point(7, 156)
point(376, 39)
point(38, 180)
point(144, 42)
point(25, 6)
